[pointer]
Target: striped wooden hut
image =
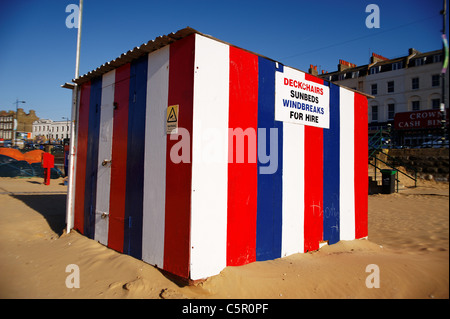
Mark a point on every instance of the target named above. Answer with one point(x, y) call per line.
point(193, 154)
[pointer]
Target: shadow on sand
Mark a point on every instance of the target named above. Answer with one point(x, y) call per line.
point(51, 206)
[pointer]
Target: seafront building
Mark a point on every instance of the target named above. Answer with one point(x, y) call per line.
point(45, 129)
point(407, 93)
point(19, 122)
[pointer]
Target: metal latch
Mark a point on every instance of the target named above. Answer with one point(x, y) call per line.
point(105, 162)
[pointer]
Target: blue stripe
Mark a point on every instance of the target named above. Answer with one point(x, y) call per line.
point(135, 158)
point(331, 167)
point(269, 207)
point(90, 192)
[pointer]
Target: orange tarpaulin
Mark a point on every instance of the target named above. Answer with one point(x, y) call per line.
point(34, 156)
point(12, 152)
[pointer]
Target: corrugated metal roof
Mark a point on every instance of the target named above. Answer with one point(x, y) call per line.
point(156, 44)
point(136, 52)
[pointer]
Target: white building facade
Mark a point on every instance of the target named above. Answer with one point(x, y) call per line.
point(50, 130)
point(410, 83)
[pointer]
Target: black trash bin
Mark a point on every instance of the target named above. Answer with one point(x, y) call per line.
point(388, 181)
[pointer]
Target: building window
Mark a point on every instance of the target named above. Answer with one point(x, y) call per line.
point(415, 105)
point(375, 70)
point(374, 89)
point(436, 58)
point(435, 104)
point(375, 113)
point(397, 65)
point(419, 62)
point(360, 86)
point(390, 86)
point(415, 83)
point(435, 80)
point(391, 111)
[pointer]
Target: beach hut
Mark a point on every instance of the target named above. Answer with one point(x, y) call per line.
point(193, 154)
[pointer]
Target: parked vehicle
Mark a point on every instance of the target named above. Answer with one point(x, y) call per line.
point(437, 143)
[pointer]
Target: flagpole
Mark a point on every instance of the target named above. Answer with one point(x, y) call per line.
point(72, 159)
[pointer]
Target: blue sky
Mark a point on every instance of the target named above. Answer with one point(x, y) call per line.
point(38, 51)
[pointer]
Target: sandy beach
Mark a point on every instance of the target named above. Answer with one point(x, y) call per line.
point(408, 242)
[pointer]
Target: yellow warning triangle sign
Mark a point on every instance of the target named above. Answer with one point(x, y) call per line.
point(172, 117)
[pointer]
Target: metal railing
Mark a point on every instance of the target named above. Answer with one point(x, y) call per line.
point(376, 146)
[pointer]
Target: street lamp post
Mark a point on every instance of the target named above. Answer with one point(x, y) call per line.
point(67, 126)
point(17, 122)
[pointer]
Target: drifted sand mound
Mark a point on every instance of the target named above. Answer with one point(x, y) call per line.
point(408, 242)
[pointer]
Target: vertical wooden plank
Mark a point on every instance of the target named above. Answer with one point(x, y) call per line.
point(361, 155)
point(313, 182)
point(178, 175)
point(209, 158)
point(331, 167)
point(135, 162)
point(83, 128)
point(313, 187)
point(293, 188)
point(347, 159)
point(155, 158)
point(269, 209)
point(242, 167)
point(92, 157)
point(119, 159)
point(104, 153)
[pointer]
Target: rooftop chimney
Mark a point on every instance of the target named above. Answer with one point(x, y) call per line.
point(313, 69)
point(343, 65)
point(377, 58)
point(412, 51)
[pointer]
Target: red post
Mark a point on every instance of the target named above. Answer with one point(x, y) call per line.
point(48, 162)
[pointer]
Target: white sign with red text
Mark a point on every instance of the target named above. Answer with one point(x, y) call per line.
point(300, 101)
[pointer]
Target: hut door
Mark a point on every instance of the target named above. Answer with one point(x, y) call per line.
point(104, 159)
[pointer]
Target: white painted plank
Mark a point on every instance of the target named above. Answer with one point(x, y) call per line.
point(209, 158)
point(155, 158)
point(104, 153)
point(347, 162)
point(293, 189)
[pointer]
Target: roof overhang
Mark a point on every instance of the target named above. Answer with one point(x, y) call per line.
point(154, 45)
point(135, 53)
